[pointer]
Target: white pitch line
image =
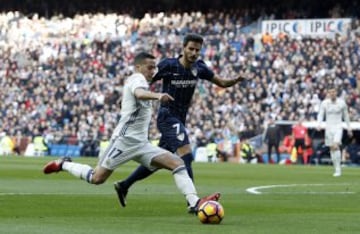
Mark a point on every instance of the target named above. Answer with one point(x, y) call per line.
point(255, 190)
point(51, 194)
point(75, 194)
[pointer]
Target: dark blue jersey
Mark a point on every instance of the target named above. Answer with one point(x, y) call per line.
point(180, 83)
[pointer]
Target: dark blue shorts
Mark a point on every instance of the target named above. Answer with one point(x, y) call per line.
point(173, 132)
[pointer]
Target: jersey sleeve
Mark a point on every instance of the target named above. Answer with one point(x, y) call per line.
point(346, 114)
point(162, 70)
point(320, 116)
point(204, 71)
point(138, 81)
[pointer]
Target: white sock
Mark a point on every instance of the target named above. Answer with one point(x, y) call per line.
point(185, 185)
point(337, 156)
point(336, 159)
point(81, 171)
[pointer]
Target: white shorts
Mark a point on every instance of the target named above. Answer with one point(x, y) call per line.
point(118, 153)
point(333, 135)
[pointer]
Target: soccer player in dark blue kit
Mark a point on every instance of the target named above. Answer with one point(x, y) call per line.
point(179, 78)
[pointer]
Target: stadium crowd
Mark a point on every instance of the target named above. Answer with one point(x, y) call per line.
point(62, 77)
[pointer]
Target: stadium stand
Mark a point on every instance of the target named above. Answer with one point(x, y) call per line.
point(63, 72)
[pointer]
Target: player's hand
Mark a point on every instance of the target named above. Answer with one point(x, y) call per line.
point(242, 77)
point(350, 133)
point(318, 128)
point(164, 97)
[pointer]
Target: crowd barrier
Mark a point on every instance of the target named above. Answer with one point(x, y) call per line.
point(59, 150)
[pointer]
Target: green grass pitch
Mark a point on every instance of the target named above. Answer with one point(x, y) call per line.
point(256, 198)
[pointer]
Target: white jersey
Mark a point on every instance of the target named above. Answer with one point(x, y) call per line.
point(130, 138)
point(135, 114)
point(334, 112)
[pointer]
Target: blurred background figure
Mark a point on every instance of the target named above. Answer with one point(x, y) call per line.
point(321, 154)
point(272, 138)
point(334, 110)
point(351, 153)
point(6, 144)
point(248, 154)
point(62, 68)
point(299, 134)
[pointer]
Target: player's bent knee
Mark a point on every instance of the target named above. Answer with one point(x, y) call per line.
point(98, 180)
point(177, 162)
point(100, 175)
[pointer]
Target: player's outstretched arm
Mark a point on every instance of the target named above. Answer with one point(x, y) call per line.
point(320, 116)
point(347, 120)
point(143, 94)
point(224, 83)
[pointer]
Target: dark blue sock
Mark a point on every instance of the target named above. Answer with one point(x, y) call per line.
point(188, 158)
point(140, 173)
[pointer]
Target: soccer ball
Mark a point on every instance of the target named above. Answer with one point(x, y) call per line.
point(211, 212)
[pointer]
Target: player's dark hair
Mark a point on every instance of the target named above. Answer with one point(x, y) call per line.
point(140, 57)
point(192, 37)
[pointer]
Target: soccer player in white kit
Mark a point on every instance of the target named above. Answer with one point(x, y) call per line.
point(334, 110)
point(130, 139)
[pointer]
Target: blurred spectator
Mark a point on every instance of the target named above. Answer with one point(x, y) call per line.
point(225, 149)
point(64, 75)
point(6, 144)
point(352, 152)
point(299, 134)
point(267, 39)
point(40, 146)
point(321, 154)
point(90, 146)
point(248, 154)
point(272, 138)
point(287, 145)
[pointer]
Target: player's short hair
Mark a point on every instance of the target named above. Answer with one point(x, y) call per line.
point(192, 37)
point(141, 57)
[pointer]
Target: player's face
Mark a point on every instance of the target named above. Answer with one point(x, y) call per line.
point(192, 51)
point(332, 94)
point(147, 68)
